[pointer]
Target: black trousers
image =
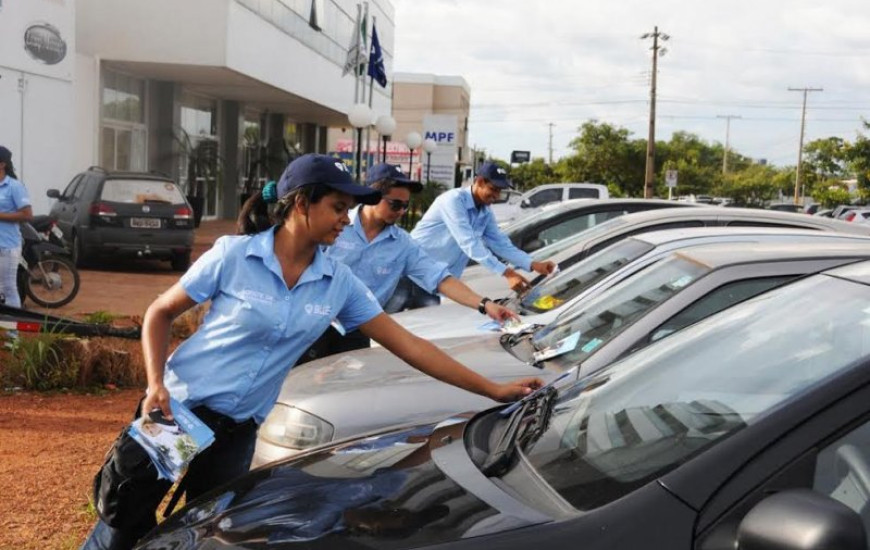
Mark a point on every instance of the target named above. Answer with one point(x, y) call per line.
point(332, 342)
point(127, 491)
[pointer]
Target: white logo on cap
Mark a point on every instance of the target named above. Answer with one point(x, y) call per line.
point(500, 171)
point(341, 166)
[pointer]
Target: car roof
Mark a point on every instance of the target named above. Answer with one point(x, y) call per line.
point(664, 236)
point(737, 214)
point(724, 254)
point(857, 272)
point(574, 204)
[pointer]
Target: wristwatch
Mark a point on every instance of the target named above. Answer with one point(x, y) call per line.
point(481, 307)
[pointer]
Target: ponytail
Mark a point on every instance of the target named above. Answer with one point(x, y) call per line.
point(255, 215)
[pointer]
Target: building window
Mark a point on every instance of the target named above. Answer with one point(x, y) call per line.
point(123, 136)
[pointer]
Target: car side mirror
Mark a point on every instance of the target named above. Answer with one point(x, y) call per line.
point(801, 519)
point(53, 194)
point(525, 203)
point(533, 245)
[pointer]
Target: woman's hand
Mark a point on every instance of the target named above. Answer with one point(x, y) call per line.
point(516, 389)
point(157, 398)
point(544, 268)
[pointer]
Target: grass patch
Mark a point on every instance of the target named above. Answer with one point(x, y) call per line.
point(36, 362)
point(100, 317)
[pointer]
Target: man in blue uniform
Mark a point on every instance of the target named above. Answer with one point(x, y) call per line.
point(460, 226)
point(379, 253)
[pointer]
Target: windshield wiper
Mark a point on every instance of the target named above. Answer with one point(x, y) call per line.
point(528, 420)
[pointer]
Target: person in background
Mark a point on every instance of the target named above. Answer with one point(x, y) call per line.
point(273, 292)
point(380, 254)
point(460, 226)
point(14, 209)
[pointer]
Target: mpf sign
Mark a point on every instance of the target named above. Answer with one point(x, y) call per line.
point(443, 129)
point(441, 137)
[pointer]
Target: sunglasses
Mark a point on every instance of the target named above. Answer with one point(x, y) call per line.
point(396, 205)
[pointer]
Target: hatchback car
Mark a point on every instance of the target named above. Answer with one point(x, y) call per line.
point(351, 393)
point(573, 248)
point(546, 194)
point(120, 214)
point(750, 429)
point(557, 222)
point(545, 300)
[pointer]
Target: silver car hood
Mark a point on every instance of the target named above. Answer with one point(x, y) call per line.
point(389, 391)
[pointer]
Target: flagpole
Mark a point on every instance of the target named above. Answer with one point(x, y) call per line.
point(362, 72)
point(355, 77)
point(371, 88)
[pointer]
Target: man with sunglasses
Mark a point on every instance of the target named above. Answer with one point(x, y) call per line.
point(379, 253)
point(459, 225)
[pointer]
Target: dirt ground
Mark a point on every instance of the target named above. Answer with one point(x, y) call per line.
point(52, 444)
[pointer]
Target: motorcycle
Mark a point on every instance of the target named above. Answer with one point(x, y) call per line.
point(46, 273)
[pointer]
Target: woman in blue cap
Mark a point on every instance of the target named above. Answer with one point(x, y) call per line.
point(273, 292)
point(14, 209)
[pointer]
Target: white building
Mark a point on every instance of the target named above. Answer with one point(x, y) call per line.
point(216, 93)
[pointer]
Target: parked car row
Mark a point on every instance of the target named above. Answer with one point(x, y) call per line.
point(708, 386)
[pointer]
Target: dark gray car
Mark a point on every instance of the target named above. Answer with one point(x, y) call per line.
point(348, 394)
point(124, 214)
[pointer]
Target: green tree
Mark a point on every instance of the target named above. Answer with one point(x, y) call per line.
point(755, 186)
point(605, 154)
point(698, 164)
point(532, 174)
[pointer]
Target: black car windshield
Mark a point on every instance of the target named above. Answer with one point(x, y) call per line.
point(583, 328)
point(639, 418)
point(551, 294)
point(550, 251)
point(141, 191)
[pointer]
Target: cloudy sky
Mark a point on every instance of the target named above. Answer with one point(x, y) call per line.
point(565, 62)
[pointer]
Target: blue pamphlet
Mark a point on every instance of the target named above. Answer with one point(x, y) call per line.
point(171, 444)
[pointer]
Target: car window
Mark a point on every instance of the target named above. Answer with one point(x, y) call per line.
point(646, 229)
point(584, 327)
point(639, 418)
point(141, 191)
point(566, 285)
point(843, 472)
point(583, 193)
point(71, 188)
point(721, 298)
point(545, 196)
point(82, 187)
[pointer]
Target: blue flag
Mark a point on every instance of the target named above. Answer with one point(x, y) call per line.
point(376, 61)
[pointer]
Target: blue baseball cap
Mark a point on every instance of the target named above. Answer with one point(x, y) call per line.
point(384, 171)
point(494, 174)
point(330, 171)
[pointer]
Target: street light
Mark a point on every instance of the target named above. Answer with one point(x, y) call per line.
point(412, 140)
point(385, 125)
point(360, 116)
point(429, 145)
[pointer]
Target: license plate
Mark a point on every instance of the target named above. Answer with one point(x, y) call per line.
point(55, 230)
point(145, 223)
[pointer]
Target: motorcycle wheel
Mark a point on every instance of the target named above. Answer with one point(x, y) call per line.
point(53, 282)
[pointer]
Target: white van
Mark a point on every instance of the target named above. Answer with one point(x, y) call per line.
point(512, 210)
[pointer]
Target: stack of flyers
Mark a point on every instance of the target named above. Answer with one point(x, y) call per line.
point(171, 444)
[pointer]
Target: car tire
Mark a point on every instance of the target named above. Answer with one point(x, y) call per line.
point(180, 262)
point(79, 257)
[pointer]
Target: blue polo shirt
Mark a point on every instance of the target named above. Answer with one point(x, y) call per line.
point(256, 328)
point(454, 229)
point(383, 261)
point(13, 197)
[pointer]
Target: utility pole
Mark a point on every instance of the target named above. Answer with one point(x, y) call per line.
point(551, 142)
point(727, 138)
point(797, 175)
point(649, 178)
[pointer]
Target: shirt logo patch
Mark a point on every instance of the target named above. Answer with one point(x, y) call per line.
point(383, 270)
point(345, 245)
point(318, 309)
point(257, 296)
